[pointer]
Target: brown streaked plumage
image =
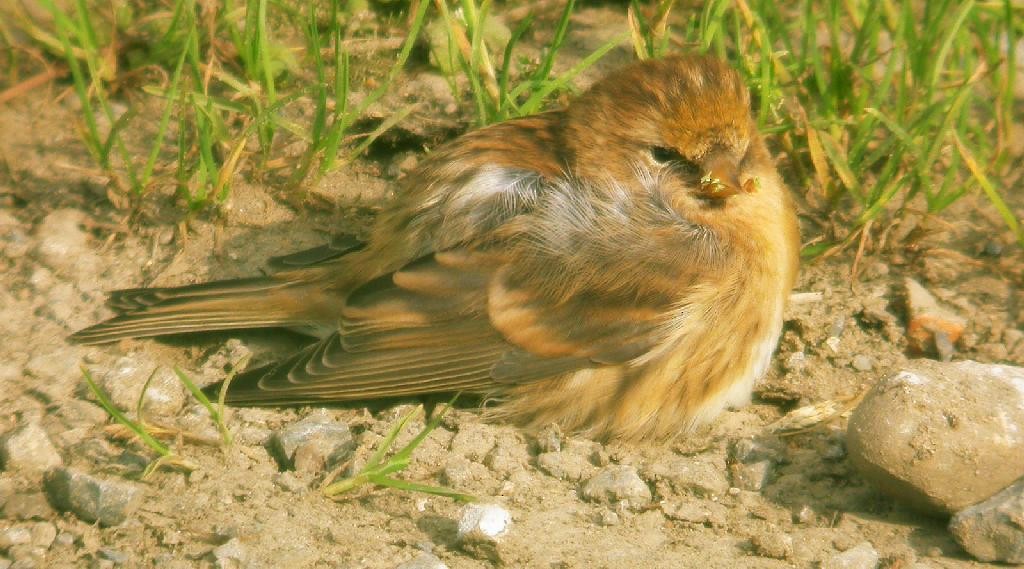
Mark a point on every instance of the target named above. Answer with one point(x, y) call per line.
point(619, 268)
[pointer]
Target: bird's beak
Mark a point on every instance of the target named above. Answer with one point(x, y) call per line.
point(721, 179)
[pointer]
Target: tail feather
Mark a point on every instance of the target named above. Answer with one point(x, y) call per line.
point(263, 302)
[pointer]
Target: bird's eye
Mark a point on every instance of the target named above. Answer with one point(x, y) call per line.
point(666, 155)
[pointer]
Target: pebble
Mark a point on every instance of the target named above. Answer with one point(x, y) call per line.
point(92, 499)
point(312, 444)
point(63, 245)
point(27, 506)
point(776, 545)
point(123, 382)
point(993, 530)
point(695, 512)
point(863, 363)
point(929, 324)
point(751, 464)
point(231, 554)
point(565, 466)
point(618, 484)
point(27, 449)
point(15, 535)
point(861, 556)
point(700, 475)
point(473, 441)
point(926, 434)
point(549, 438)
point(56, 366)
point(481, 529)
point(423, 561)
point(43, 534)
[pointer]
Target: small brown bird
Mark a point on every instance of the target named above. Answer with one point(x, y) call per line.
point(619, 268)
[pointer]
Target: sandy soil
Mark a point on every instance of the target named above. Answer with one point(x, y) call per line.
point(64, 244)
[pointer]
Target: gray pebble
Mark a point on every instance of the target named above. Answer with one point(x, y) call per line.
point(565, 465)
point(28, 450)
point(618, 484)
point(862, 556)
point(114, 556)
point(863, 363)
point(923, 434)
point(993, 530)
point(92, 499)
point(124, 381)
point(312, 444)
point(701, 475)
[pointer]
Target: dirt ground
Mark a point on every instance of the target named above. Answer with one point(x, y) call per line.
point(64, 244)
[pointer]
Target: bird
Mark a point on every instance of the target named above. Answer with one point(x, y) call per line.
point(618, 268)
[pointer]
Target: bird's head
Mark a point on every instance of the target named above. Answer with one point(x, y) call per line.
point(684, 120)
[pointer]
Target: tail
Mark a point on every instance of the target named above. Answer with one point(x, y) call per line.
point(261, 302)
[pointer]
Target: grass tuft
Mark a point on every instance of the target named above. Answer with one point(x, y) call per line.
point(379, 468)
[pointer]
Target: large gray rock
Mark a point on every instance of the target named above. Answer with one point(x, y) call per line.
point(92, 499)
point(939, 436)
point(994, 529)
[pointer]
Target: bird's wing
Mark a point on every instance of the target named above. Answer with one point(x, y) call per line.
point(535, 299)
point(338, 246)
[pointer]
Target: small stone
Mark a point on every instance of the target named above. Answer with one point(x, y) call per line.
point(926, 318)
point(460, 472)
point(565, 466)
point(114, 556)
point(232, 554)
point(108, 502)
point(751, 463)
point(776, 545)
point(63, 245)
point(863, 363)
point(43, 534)
point(423, 561)
point(313, 444)
point(64, 539)
point(700, 475)
point(609, 518)
point(549, 439)
point(993, 530)
point(15, 535)
point(507, 457)
point(223, 361)
point(925, 434)
point(752, 476)
point(289, 482)
point(27, 449)
point(28, 506)
point(702, 512)
point(862, 556)
point(123, 382)
point(473, 441)
point(481, 529)
point(618, 484)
